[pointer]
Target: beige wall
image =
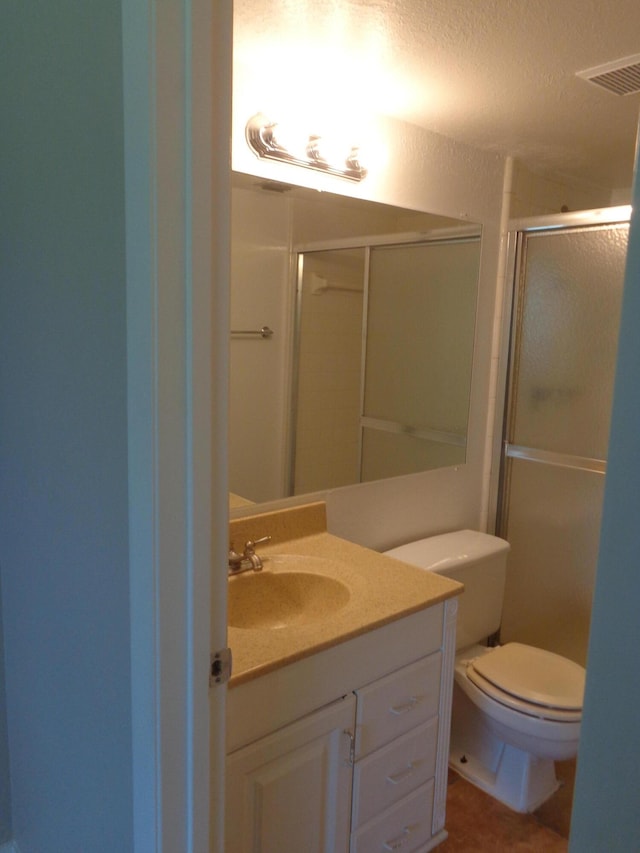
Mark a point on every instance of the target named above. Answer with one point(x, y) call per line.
point(537, 195)
point(259, 297)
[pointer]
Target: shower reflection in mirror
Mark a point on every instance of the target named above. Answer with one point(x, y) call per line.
point(382, 358)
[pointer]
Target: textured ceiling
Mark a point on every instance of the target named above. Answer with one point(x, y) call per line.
point(496, 74)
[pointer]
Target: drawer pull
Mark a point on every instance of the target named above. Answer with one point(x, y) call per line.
point(400, 841)
point(408, 706)
point(396, 778)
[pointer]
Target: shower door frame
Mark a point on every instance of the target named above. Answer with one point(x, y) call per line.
point(511, 319)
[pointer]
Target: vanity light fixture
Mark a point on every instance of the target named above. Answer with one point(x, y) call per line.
point(267, 139)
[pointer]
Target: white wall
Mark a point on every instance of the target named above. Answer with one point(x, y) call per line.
point(63, 421)
point(536, 195)
point(260, 296)
point(426, 172)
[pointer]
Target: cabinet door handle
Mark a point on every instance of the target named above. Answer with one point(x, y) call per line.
point(399, 841)
point(401, 775)
point(403, 709)
point(352, 748)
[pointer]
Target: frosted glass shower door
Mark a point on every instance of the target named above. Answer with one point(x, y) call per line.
point(565, 335)
point(326, 442)
point(382, 358)
point(421, 308)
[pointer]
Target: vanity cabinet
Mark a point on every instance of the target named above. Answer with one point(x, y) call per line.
point(291, 791)
point(346, 751)
point(396, 748)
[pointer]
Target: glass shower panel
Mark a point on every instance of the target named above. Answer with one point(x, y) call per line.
point(386, 454)
point(553, 529)
point(327, 427)
point(421, 313)
point(568, 330)
point(565, 330)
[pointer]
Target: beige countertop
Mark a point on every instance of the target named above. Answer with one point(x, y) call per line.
point(238, 501)
point(380, 588)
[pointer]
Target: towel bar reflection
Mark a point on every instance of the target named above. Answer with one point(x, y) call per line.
point(264, 332)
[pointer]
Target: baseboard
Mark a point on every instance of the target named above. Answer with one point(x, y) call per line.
point(9, 847)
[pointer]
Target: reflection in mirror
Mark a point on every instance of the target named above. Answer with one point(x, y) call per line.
point(367, 373)
point(385, 339)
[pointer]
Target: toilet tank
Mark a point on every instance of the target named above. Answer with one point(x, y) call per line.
point(479, 561)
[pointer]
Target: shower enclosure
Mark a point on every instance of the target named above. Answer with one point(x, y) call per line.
point(568, 280)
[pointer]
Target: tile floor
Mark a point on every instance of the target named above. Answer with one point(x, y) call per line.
point(477, 823)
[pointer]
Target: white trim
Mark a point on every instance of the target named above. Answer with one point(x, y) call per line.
point(444, 711)
point(169, 191)
point(209, 156)
point(175, 443)
point(198, 273)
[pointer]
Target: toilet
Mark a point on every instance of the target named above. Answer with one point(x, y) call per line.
point(516, 708)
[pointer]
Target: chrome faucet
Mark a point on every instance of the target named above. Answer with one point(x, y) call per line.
point(249, 559)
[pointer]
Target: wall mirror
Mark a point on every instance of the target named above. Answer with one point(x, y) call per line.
point(352, 340)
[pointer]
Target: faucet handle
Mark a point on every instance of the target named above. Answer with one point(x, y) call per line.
point(250, 545)
point(234, 557)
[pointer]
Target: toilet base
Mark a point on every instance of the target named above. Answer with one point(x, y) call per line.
point(520, 780)
point(481, 754)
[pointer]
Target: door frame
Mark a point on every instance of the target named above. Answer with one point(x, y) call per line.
point(516, 229)
point(177, 90)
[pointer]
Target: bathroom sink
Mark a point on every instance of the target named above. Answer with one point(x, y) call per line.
point(281, 595)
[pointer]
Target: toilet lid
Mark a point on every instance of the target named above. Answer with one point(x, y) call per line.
point(524, 675)
point(542, 712)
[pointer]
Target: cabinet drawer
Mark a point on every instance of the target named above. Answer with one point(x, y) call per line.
point(393, 705)
point(390, 773)
point(406, 826)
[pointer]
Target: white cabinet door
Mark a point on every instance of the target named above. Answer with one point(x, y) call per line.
point(291, 791)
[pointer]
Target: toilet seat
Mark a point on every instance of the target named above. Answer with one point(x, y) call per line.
point(530, 680)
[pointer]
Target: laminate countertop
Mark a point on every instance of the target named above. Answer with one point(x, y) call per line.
point(372, 589)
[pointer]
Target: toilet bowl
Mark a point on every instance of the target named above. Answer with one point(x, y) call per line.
point(516, 709)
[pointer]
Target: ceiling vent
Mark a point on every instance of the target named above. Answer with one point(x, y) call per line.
point(621, 77)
